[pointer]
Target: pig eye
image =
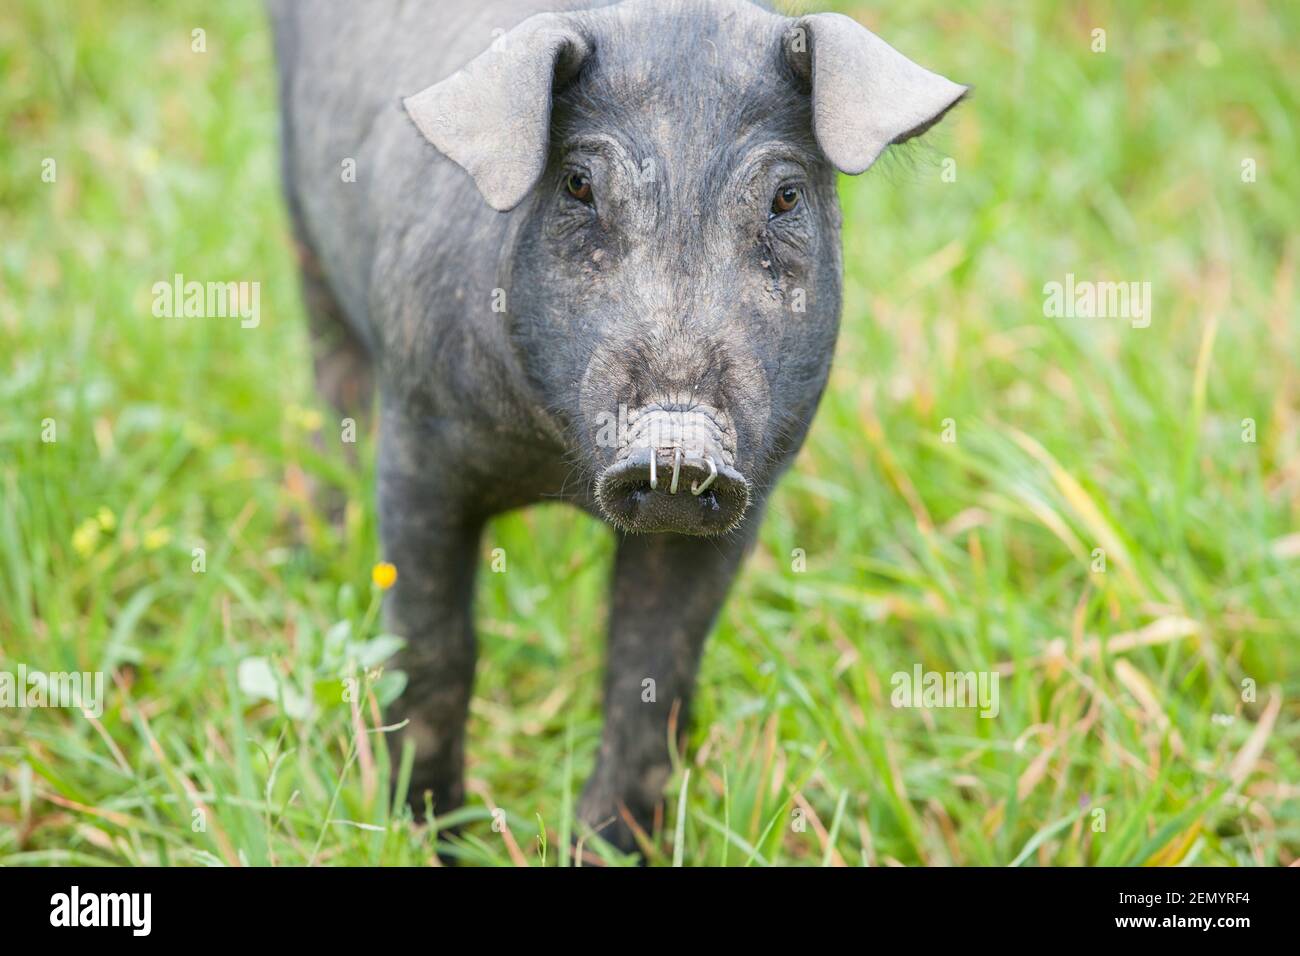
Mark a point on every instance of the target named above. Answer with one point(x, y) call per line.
point(579, 187)
point(786, 199)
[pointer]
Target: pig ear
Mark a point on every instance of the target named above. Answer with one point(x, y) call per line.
point(865, 94)
point(493, 117)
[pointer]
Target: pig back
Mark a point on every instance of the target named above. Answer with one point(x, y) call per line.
point(395, 226)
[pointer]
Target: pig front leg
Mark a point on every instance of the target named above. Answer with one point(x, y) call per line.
point(667, 592)
point(431, 538)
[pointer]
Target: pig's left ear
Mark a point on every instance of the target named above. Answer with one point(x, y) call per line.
point(493, 117)
point(865, 94)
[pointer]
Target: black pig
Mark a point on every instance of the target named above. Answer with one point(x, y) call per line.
point(588, 252)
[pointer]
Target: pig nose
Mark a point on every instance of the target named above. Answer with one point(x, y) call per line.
point(673, 489)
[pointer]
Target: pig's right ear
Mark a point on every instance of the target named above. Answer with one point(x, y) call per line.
point(865, 94)
point(493, 118)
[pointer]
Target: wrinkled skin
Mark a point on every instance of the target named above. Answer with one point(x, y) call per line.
point(677, 289)
point(650, 300)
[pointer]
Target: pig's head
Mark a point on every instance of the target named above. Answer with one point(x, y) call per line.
point(674, 280)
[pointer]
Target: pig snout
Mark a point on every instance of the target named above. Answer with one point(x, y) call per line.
point(675, 472)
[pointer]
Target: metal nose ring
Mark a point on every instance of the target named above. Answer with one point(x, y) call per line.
point(677, 468)
point(698, 487)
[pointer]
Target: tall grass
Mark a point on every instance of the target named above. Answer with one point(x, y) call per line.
point(969, 460)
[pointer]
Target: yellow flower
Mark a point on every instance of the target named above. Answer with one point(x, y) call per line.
point(107, 520)
point(86, 537)
point(308, 419)
point(384, 575)
point(157, 538)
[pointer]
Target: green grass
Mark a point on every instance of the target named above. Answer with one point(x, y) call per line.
point(973, 554)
